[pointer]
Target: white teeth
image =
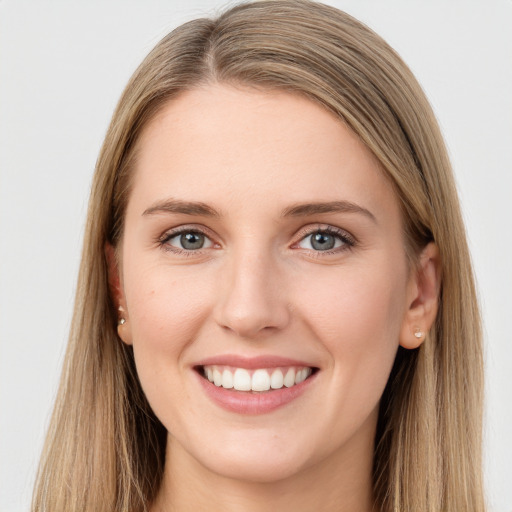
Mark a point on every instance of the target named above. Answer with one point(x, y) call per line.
point(227, 379)
point(260, 380)
point(302, 375)
point(277, 380)
point(242, 380)
point(289, 378)
point(217, 377)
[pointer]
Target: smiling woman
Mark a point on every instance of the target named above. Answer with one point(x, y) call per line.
point(269, 283)
point(276, 307)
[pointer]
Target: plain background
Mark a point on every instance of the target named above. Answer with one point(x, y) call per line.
point(63, 65)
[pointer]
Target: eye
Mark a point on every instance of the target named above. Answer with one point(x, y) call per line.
point(325, 240)
point(188, 240)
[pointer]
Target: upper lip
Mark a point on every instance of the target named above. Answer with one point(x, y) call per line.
point(263, 361)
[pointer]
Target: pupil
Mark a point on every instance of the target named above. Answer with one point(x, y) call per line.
point(192, 241)
point(322, 241)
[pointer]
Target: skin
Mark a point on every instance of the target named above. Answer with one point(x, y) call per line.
point(258, 287)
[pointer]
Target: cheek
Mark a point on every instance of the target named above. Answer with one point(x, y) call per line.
point(357, 318)
point(166, 310)
point(361, 304)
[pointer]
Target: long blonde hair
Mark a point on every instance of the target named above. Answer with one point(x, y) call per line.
point(105, 447)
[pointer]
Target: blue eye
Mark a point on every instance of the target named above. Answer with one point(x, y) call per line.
point(189, 241)
point(323, 240)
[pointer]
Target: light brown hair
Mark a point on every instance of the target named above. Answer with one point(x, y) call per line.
point(105, 448)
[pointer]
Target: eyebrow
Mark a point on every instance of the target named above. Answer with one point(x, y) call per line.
point(307, 209)
point(297, 210)
point(184, 207)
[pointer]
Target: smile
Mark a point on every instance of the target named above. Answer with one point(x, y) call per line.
point(256, 380)
point(254, 386)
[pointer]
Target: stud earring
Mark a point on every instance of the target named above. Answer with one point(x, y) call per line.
point(121, 320)
point(418, 333)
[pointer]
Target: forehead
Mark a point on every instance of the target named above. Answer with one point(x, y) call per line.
point(246, 148)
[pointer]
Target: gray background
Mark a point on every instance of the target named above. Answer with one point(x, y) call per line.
point(63, 65)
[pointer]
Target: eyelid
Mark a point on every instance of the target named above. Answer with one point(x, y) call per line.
point(348, 239)
point(186, 228)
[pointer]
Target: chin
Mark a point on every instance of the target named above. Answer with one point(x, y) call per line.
point(256, 469)
point(258, 457)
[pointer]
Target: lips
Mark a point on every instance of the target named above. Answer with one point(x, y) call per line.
point(254, 385)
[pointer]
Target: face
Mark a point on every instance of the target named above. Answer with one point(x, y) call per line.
point(262, 249)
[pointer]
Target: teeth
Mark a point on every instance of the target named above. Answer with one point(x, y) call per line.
point(227, 379)
point(289, 378)
point(277, 379)
point(301, 376)
point(260, 380)
point(255, 380)
point(217, 377)
point(242, 380)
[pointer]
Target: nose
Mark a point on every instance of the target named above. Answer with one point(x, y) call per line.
point(253, 299)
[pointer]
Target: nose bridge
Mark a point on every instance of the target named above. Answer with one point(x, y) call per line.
point(253, 297)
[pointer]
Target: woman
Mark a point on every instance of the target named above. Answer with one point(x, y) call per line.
point(275, 305)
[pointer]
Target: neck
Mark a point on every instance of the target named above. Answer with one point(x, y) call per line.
point(342, 482)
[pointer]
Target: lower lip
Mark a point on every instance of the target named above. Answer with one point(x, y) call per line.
point(247, 402)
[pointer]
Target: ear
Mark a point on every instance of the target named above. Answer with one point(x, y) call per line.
point(422, 298)
point(117, 294)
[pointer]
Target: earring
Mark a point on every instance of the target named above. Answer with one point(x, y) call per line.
point(418, 333)
point(121, 320)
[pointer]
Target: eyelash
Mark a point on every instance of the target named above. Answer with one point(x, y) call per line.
point(169, 235)
point(348, 241)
